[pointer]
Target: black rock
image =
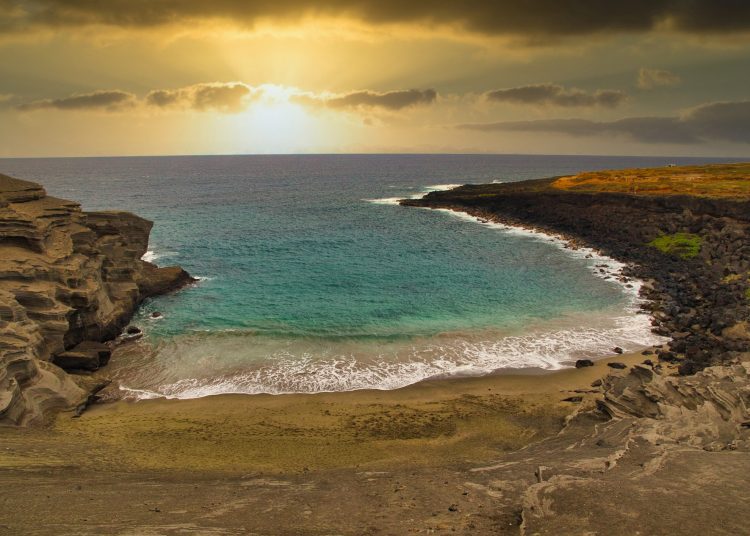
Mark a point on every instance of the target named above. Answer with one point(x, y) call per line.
point(156, 314)
point(669, 357)
point(617, 365)
point(617, 350)
point(133, 330)
point(574, 399)
point(581, 363)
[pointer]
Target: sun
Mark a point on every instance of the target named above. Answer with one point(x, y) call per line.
point(274, 123)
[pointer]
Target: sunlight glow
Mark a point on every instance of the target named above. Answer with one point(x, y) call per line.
point(275, 124)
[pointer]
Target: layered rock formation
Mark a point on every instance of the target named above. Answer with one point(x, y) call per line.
point(657, 454)
point(701, 301)
point(66, 277)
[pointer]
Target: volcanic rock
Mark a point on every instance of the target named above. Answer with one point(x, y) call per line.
point(66, 276)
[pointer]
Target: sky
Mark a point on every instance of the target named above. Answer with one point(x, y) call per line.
point(154, 77)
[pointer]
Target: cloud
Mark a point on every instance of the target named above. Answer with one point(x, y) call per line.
point(553, 94)
point(651, 78)
point(229, 97)
point(108, 100)
point(389, 100)
point(491, 17)
point(718, 121)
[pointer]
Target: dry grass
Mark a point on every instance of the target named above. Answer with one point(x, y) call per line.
point(720, 180)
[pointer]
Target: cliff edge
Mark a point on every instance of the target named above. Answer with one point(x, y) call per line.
point(68, 280)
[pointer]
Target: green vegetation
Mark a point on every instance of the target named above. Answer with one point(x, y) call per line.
point(685, 245)
point(719, 180)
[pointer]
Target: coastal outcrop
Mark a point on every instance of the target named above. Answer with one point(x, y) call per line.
point(655, 450)
point(69, 280)
point(693, 253)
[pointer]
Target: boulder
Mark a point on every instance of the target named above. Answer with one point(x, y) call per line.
point(581, 363)
point(155, 280)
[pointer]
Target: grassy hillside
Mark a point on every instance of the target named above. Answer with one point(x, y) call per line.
point(720, 180)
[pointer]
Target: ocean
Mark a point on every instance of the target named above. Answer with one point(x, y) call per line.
point(313, 279)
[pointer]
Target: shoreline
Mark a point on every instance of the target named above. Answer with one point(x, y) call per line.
point(607, 268)
point(439, 414)
point(697, 299)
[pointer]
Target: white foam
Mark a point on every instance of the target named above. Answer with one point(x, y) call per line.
point(385, 200)
point(152, 255)
point(441, 187)
point(284, 372)
point(149, 256)
point(425, 190)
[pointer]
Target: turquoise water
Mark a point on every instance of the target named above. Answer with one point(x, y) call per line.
point(311, 279)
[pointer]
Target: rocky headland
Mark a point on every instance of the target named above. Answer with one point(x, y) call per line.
point(69, 282)
point(686, 233)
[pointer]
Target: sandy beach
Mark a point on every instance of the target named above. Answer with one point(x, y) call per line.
point(125, 460)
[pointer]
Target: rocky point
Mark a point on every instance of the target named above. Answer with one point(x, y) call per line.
point(69, 281)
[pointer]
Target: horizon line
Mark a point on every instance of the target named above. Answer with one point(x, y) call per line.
point(217, 155)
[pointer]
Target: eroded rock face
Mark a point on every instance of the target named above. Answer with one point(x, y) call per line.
point(657, 454)
point(66, 276)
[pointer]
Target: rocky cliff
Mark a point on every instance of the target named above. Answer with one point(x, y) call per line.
point(68, 280)
point(699, 295)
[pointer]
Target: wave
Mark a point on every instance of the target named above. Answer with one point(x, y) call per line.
point(385, 200)
point(152, 255)
point(285, 371)
point(441, 187)
point(423, 192)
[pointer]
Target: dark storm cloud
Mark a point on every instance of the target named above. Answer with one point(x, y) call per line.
point(389, 100)
point(553, 94)
point(98, 100)
point(223, 97)
point(720, 121)
point(492, 17)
